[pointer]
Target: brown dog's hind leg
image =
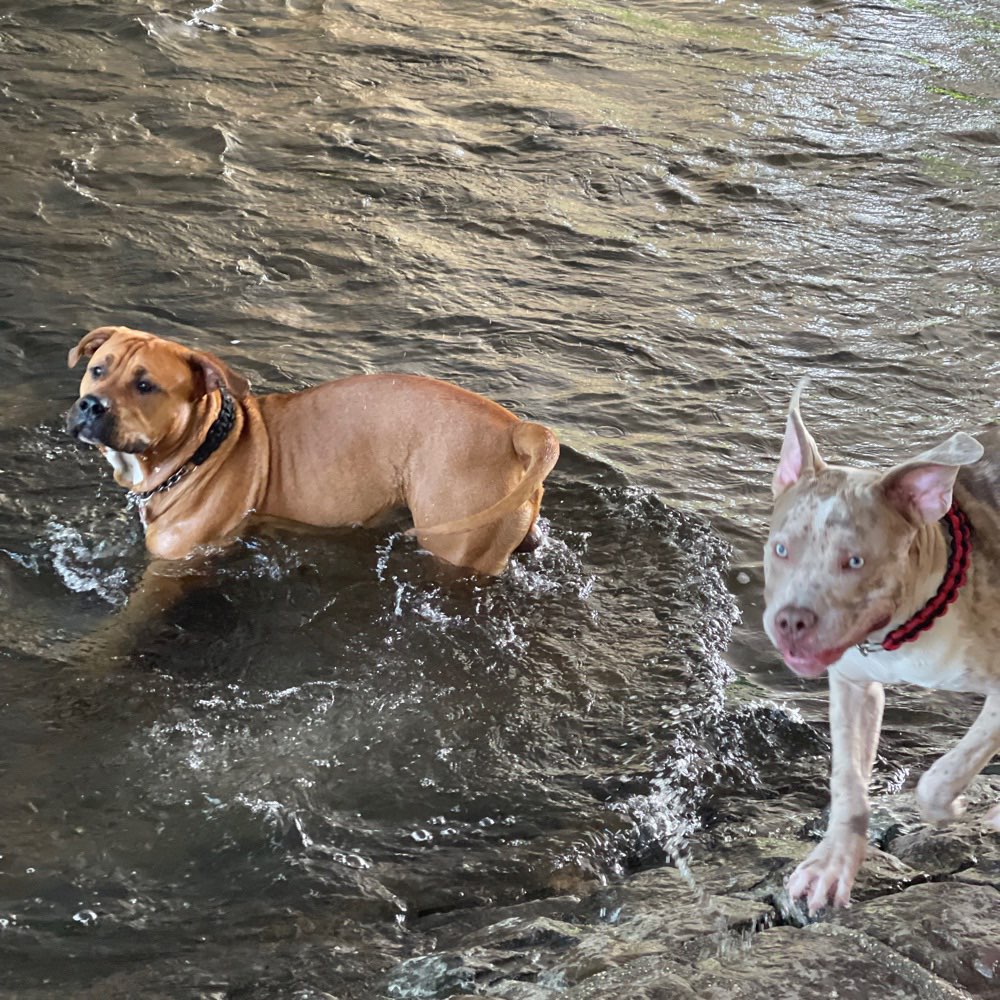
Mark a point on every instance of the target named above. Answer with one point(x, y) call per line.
point(488, 549)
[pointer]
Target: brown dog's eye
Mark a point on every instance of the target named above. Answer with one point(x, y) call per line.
point(96, 371)
point(145, 386)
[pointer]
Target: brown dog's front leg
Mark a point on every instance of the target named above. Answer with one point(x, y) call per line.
point(827, 874)
point(162, 586)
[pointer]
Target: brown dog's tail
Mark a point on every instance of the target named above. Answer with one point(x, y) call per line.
point(534, 442)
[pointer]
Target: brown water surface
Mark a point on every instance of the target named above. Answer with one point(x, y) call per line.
point(638, 222)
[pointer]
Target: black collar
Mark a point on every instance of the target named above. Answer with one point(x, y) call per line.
point(217, 433)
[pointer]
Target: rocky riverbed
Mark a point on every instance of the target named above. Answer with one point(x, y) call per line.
point(924, 924)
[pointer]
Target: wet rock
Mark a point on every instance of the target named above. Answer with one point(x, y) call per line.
point(650, 978)
point(602, 951)
point(758, 869)
point(896, 814)
point(653, 921)
point(661, 906)
point(817, 963)
point(538, 951)
point(925, 925)
point(965, 850)
point(950, 928)
point(987, 869)
point(454, 925)
point(526, 991)
point(754, 867)
point(944, 851)
point(524, 933)
point(430, 976)
point(659, 911)
point(788, 817)
point(644, 979)
point(493, 960)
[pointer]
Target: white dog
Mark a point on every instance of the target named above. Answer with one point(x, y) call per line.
point(883, 577)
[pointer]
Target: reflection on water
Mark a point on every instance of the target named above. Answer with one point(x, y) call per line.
point(638, 223)
point(330, 726)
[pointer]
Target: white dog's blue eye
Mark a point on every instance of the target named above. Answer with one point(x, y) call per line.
point(855, 562)
point(781, 550)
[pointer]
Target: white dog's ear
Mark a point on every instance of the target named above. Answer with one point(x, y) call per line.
point(921, 488)
point(799, 454)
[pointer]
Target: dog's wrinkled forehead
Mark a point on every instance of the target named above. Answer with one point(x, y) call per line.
point(132, 352)
point(117, 352)
point(837, 504)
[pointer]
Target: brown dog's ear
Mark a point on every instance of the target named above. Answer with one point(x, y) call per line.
point(91, 342)
point(799, 454)
point(212, 374)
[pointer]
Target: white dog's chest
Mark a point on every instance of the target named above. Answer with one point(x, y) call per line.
point(942, 658)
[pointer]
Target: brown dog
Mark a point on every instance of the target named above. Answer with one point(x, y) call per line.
point(205, 457)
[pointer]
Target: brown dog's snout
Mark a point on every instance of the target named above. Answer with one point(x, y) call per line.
point(87, 415)
point(795, 623)
point(90, 407)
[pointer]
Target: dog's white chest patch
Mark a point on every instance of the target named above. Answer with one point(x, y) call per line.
point(127, 466)
point(936, 660)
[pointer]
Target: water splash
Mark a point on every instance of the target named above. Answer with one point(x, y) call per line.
point(82, 563)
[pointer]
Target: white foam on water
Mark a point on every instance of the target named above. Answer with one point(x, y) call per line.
point(556, 566)
point(428, 976)
point(384, 552)
point(410, 600)
point(168, 27)
point(197, 17)
point(81, 565)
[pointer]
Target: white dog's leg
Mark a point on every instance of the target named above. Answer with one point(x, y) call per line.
point(827, 874)
point(939, 791)
point(992, 818)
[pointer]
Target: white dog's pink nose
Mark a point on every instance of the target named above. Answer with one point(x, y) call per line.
point(794, 624)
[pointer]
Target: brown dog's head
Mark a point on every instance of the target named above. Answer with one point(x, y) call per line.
point(837, 560)
point(139, 391)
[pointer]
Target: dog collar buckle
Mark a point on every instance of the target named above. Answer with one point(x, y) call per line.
point(866, 648)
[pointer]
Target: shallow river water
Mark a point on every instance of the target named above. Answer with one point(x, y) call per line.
point(639, 223)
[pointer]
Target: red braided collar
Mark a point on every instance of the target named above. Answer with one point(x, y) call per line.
point(954, 579)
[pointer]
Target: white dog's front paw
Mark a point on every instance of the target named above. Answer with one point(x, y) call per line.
point(936, 801)
point(826, 876)
point(992, 818)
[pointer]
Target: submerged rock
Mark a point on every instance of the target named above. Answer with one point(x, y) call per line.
point(967, 852)
point(924, 925)
point(817, 963)
point(952, 929)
